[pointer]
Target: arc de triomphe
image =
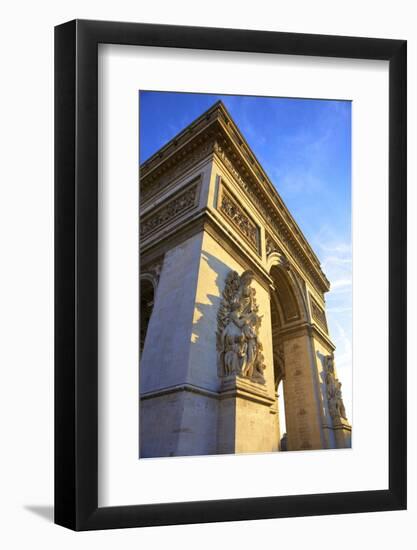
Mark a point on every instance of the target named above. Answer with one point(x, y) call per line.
point(232, 303)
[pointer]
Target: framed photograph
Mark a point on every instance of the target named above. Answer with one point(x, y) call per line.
point(230, 253)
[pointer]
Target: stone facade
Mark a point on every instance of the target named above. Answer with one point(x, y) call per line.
point(238, 305)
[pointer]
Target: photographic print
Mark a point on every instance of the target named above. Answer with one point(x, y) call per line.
point(245, 274)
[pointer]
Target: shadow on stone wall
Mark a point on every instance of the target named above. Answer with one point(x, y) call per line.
point(207, 321)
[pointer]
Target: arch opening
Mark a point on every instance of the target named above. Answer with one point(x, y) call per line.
point(285, 296)
point(282, 435)
point(147, 296)
point(286, 311)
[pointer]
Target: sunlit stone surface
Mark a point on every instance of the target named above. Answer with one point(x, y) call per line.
point(233, 303)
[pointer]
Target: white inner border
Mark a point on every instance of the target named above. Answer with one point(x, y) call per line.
point(123, 479)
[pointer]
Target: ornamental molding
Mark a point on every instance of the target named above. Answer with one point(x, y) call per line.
point(318, 314)
point(240, 220)
point(181, 202)
point(285, 231)
point(274, 252)
point(271, 246)
point(170, 171)
point(215, 132)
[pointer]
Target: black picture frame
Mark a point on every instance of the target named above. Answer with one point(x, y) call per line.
point(76, 272)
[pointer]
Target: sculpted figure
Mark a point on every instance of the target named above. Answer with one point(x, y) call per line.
point(233, 342)
point(239, 350)
point(246, 295)
point(249, 334)
point(334, 391)
point(340, 407)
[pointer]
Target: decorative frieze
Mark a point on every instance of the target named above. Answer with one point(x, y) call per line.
point(162, 169)
point(271, 246)
point(178, 204)
point(239, 218)
point(285, 231)
point(318, 314)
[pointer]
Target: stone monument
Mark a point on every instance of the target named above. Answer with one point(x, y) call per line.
point(232, 303)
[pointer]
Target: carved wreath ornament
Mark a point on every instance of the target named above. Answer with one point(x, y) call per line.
point(238, 347)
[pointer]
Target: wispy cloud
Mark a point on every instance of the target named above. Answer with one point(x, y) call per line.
point(337, 260)
point(341, 284)
point(337, 248)
point(339, 309)
point(300, 181)
point(299, 169)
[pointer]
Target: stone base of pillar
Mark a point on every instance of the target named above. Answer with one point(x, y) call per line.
point(178, 421)
point(247, 421)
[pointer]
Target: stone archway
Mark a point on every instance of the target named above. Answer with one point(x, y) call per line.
point(294, 364)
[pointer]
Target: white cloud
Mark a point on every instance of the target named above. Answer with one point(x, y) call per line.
point(341, 283)
point(336, 260)
point(337, 248)
point(339, 309)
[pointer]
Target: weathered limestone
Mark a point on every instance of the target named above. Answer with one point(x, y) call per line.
point(238, 306)
point(247, 418)
point(302, 410)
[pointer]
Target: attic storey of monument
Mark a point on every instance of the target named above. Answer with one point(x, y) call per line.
point(237, 348)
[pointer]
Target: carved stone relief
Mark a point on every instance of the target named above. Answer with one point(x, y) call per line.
point(318, 314)
point(238, 347)
point(300, 253)
point(241, 221)
point(270, 246)
point(178, 204)
point(334, 390)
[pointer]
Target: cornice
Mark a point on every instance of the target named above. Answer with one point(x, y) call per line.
point(189, 133)
point(215, 132)
point(179, 388)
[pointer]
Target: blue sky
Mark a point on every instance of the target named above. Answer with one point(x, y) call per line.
point(305, 148)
